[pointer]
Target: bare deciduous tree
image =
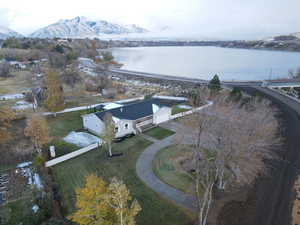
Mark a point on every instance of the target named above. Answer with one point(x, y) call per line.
point(71, 76)
point(38, 131)
point(230, 143)
point(4, 69)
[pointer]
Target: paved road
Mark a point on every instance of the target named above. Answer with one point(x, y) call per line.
point(274, 194)
point(145, 173)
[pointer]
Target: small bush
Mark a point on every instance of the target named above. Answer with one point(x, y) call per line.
point(39, 161)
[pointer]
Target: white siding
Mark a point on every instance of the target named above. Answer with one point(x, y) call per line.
point(92, 123)
point(123, 129)
point(162, 115)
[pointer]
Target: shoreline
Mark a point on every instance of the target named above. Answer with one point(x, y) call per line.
point(283, 46)
point(167, 79)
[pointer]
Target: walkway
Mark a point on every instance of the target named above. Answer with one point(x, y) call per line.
point(145, 173)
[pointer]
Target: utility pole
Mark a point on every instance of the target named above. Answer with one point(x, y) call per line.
point(270, 74)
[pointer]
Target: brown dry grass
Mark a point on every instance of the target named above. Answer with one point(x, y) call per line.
point(296, 205)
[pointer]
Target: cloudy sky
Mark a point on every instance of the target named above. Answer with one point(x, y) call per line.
point(221, 19)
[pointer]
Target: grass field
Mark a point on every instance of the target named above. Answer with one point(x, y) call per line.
point(18, 212)
point(159, 133)
point(155, 210)
point(166, 166)
point(177, 109)
point(62, 124)
point(18, 209)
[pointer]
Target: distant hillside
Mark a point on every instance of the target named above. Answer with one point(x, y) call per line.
point(8, 33)
point(297, 35)
point(81, 27)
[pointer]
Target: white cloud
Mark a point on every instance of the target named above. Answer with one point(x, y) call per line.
point(4, 17)
point(203, 18)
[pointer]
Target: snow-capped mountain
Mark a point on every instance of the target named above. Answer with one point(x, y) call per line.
point(81, 27)
point(7, 33)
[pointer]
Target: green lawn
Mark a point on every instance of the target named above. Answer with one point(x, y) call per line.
point(20, 212)
point(62, 124)
point(155, 210)
point(177, 109)
point(166, 166)
point(159, 133)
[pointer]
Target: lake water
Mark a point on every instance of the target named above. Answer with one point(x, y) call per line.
point(204, 62)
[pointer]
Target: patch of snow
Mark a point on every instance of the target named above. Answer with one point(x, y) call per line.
point(111, 105)
point(86, 62)
point(37, 181)
point(81, 27)
point(35, 208)
point(81, 139)
point(184, 106)
point(170, 97)
point(7, 33)
point(27, 172)
point(22, 105)
point(11, 96)
point(24, 164)
point(33, 178)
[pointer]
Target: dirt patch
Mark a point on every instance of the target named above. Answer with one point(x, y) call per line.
point(235, 209)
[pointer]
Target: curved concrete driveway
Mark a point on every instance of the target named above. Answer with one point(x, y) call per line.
point(145, 173)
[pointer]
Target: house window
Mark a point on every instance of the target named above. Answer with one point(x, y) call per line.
point(126, 126)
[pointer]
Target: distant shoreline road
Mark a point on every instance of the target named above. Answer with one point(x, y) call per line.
point(270, 45)
point(137, 74)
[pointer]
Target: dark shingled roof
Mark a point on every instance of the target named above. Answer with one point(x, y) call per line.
point(138, 110)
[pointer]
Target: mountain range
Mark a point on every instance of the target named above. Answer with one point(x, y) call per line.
point(78, 27)
point(7, 33)
point(81, 27)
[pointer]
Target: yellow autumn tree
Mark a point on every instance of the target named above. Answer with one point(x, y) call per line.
point(38, 131)
point(6, 116)
point(55, 98)
point(91, 204)
point(120, 200)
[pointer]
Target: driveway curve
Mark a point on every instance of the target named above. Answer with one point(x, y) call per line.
point(145, 172)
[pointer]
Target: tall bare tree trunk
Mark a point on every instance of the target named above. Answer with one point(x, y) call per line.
point(121, 215)
point(109, 149)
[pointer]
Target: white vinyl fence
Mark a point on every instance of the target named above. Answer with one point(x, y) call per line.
point(71, 155)
point(178, 115)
